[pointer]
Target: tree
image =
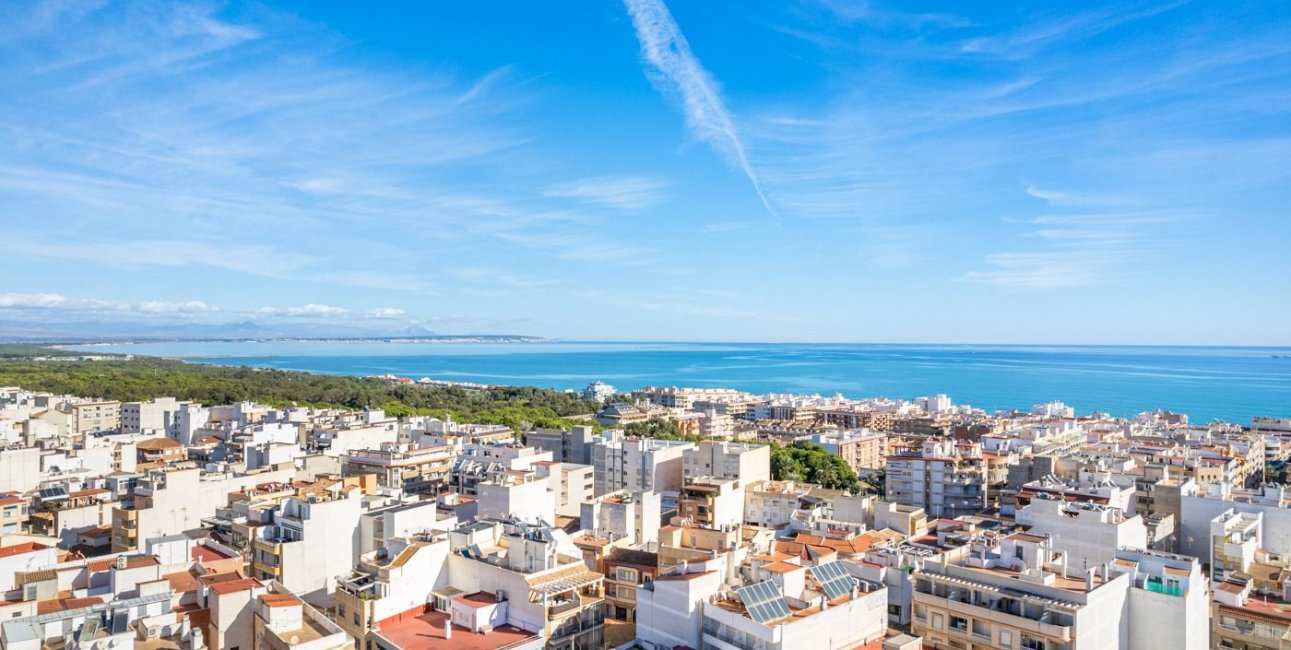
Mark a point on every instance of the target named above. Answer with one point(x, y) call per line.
point(805, 461)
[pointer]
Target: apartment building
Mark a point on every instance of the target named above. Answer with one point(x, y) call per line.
point(1234, 541)
point(820, 606)
point(637, 464)
point(399, 465)
point(712, 502)
point(311, 541)
point(178, 498)
point(623, 514)
point(1200, 505)
point(863, 450)
point(1024, 593)
point(684, 398)
point(546, 587)
point(573, 445)
point(772, 504)
point(522, 494)
point(1242, 618)
point(89, 417)
point(570, 485)
point(626, 571)
point(1090, 533)
point(13, 513)
point(284, 622)
point(153, 415)
point(989, 604)
point(945, 478)
point(743, 462)
point(477, 463)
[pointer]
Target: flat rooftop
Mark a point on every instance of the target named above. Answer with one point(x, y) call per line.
point(425, 631)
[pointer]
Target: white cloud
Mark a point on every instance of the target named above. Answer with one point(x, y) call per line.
point(187, 307)
point(310, 310)
point(679, 73)
point(386, 312)
point(621, 192)
point(31, 300)
point(53, 301)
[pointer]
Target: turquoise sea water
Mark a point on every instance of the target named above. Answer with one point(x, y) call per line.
point(1205, 382)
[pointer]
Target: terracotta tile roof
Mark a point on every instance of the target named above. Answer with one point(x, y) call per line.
point(231, 586)
point(19, 549)
point(781, 567)
point(477, 600)
point(181, 581)
point(279, 600)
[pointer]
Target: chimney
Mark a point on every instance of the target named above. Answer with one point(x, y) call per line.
point(1089, 580)
point(448, 628)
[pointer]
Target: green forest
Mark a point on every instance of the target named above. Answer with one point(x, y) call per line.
point(144, 378)
point(521, 408)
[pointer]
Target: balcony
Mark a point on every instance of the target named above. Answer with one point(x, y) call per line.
point(1021, 621)
point(561, 608)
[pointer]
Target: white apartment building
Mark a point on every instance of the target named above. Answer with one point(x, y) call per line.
point(1202, 504)
point(821, 606)
point(1235, 539)
point(637, 464)
point(311, 542)
point(1090, 533)
point(624, 514)
point(743, 462)
point(137, 417)
point(178, 499)
point(570, 484)
point(523, 495)
point(1023, 594)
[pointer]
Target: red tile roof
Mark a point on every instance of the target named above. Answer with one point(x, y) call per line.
point(231, 586)
point(19, 549)
point(477, 600)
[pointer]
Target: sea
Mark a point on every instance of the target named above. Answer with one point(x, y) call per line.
point(1227, 383)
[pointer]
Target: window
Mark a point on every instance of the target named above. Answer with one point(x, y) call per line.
point(1006, 639)
point(936, 621)
point(959, 624)
point(340, 611)
point(356, 619)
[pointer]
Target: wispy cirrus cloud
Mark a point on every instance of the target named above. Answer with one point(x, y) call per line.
point(1077, 249)
point(679, 73)
point(621, 192)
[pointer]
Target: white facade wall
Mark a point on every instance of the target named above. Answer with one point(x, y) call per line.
point(37, 559)
point(670, 614)
point(1092, 537)
point(527, 500)
point(19, 469)
point(327, 548)
point(1196, 513)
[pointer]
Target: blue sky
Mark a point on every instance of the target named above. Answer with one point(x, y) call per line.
point(807, 171)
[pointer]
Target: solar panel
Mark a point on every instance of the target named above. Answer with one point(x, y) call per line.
point(764, 601)
point(833, 578)
point(53, 492)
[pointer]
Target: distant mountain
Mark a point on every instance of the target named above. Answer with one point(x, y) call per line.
point(88, 331)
